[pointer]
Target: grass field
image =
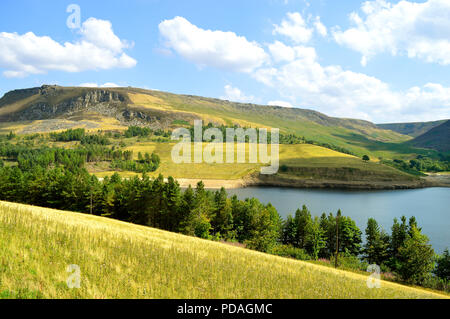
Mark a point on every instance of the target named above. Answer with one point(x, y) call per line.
point(121, 260)
point(301, 158)
point(357, 136)
point(360, 137)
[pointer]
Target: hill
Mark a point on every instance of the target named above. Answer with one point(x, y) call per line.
point(412, 129)
point(49, 108)
point(437, 138)
point(121, 260)
point(55, 108)
point(302, 165)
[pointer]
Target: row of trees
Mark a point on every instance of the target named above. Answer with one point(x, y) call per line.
point(322, 237)
point(405, 251)
point(215, 215)
point(420, 164)
point(144, 164)
point(133, 131)
point(154, 203)
point(49, 156)
point(79, 134)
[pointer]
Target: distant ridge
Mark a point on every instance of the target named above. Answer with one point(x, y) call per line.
point(413, 129)
point(52, 107)
point(438, 138)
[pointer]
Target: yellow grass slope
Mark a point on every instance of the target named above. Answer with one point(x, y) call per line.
point(121, 260)
point(305, 160)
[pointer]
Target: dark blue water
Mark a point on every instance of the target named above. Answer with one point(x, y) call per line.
point(430, 206)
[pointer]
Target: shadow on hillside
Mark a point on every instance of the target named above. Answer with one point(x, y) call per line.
point(402, 148)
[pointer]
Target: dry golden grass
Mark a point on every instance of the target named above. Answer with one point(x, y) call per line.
point(299, 155)
point(122, 260)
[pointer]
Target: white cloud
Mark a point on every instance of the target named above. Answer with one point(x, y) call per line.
point(89, 85)
point(101, 33)
point(320, 28)
point(236, 95)
point(95, 85)
point(223, 50)
point(98, 49)
point(295, 28)
point(282, 52)
point(343, 93)
point(110, 85)
point(280, 103)
point(417, 30)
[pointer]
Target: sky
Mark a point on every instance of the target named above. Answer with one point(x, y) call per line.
point(382, 61)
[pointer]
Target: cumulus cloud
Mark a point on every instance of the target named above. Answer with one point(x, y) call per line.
point(298, 29)
point(280, 103)
point(295, 28)
point(95, 85)
point(417, 30)
point(223, 50)
point(236, 95)
point(343, 93)
point(282, 52)
point(97, 49)
point(320, 27)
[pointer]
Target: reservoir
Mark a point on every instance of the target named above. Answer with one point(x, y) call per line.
point(430, 206)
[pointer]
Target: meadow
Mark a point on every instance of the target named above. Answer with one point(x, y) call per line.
point(358, 136)
point(305, 157)
point(169, 111)
point(122, 260)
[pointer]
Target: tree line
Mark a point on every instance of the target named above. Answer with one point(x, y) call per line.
point(420, 164)
point(215, 215)
point(55, 177)
point(73, 159)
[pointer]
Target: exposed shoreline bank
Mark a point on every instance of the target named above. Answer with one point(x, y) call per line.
point(277, 181)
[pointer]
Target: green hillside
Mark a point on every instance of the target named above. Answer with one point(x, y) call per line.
point(437, 138)
point(412, 129)
point(121, 260)
point(53, 107)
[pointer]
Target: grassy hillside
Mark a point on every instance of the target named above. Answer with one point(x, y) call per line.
point(301, 160)
point(166, 110)
point(413, 129)
point(359, 136)
point(437, 138)
point(121, 260)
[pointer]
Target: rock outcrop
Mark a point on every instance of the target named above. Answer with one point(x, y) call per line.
point(50, 102)
point(53, 102)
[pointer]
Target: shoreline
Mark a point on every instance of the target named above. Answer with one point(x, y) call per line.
point(280, 181)
point(309, 183)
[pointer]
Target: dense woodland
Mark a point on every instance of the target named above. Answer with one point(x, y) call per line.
point(56, 178)
point(92, 148)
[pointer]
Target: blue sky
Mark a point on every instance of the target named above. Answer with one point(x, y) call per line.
point(360, 59)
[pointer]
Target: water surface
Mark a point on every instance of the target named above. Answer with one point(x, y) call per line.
point(430, 206)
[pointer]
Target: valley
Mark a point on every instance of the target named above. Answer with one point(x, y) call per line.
point(309, 164)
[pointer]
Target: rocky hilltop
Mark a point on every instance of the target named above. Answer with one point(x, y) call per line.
point(50, 101)
point(56, 102)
